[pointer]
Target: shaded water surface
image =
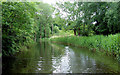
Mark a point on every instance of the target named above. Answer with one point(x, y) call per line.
point(46, 57)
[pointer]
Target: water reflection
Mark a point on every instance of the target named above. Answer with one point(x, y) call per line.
point(75, 63)
point(64, 64)
point(53, 58)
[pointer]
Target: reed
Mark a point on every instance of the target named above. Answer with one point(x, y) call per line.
point(109, 45)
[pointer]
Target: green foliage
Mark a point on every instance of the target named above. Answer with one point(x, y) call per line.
point(24, 22)
point(106, 16)
point(112, 18)
point(62, 33)
point(17, 25)
point(0, 27)
point(44, 20)
point(85, 32)
point(55, 29)
point(108, 44)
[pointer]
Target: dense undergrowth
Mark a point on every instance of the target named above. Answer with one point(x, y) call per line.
point(22, 24)
point(109, 45)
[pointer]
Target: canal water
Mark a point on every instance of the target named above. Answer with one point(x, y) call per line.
point(46, 57)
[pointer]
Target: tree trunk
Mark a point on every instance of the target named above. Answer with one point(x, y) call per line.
point(79, 31)
point(52, 29)
point(83, 29)
point(44, 33)
point(40, 32)
point(75, 32)
point(35, 36)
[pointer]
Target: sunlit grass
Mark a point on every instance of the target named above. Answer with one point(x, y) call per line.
point(62, 33)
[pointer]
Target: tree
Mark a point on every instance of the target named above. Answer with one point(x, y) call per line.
point(17, 25)
point(105, 17)
point(71, 9)
point(44, 19)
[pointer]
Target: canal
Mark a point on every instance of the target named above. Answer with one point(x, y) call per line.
point(46, 57)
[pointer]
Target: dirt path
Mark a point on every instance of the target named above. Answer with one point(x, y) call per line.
point(59, 36)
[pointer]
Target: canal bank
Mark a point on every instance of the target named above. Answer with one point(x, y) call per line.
point(46, 57)
point(106, 45)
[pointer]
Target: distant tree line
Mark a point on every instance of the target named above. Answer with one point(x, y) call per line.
point(86, 18)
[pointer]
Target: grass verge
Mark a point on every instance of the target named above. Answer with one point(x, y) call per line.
point(109, 45)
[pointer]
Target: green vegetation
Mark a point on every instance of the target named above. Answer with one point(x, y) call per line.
point(88, 18)
point(28, 28)
point(94, 24)
point(104, 44)
point(24, 23)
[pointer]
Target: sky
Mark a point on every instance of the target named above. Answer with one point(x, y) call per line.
point(54, 1)
point(50, 1)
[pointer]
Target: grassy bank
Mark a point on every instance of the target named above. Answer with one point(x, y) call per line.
point(109, 45)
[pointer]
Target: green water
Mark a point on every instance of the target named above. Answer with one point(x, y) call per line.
point(46, 57)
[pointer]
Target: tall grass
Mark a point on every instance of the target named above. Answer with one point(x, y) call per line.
point(109, 45)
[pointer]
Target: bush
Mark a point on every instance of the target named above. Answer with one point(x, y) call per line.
point(17, 25)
